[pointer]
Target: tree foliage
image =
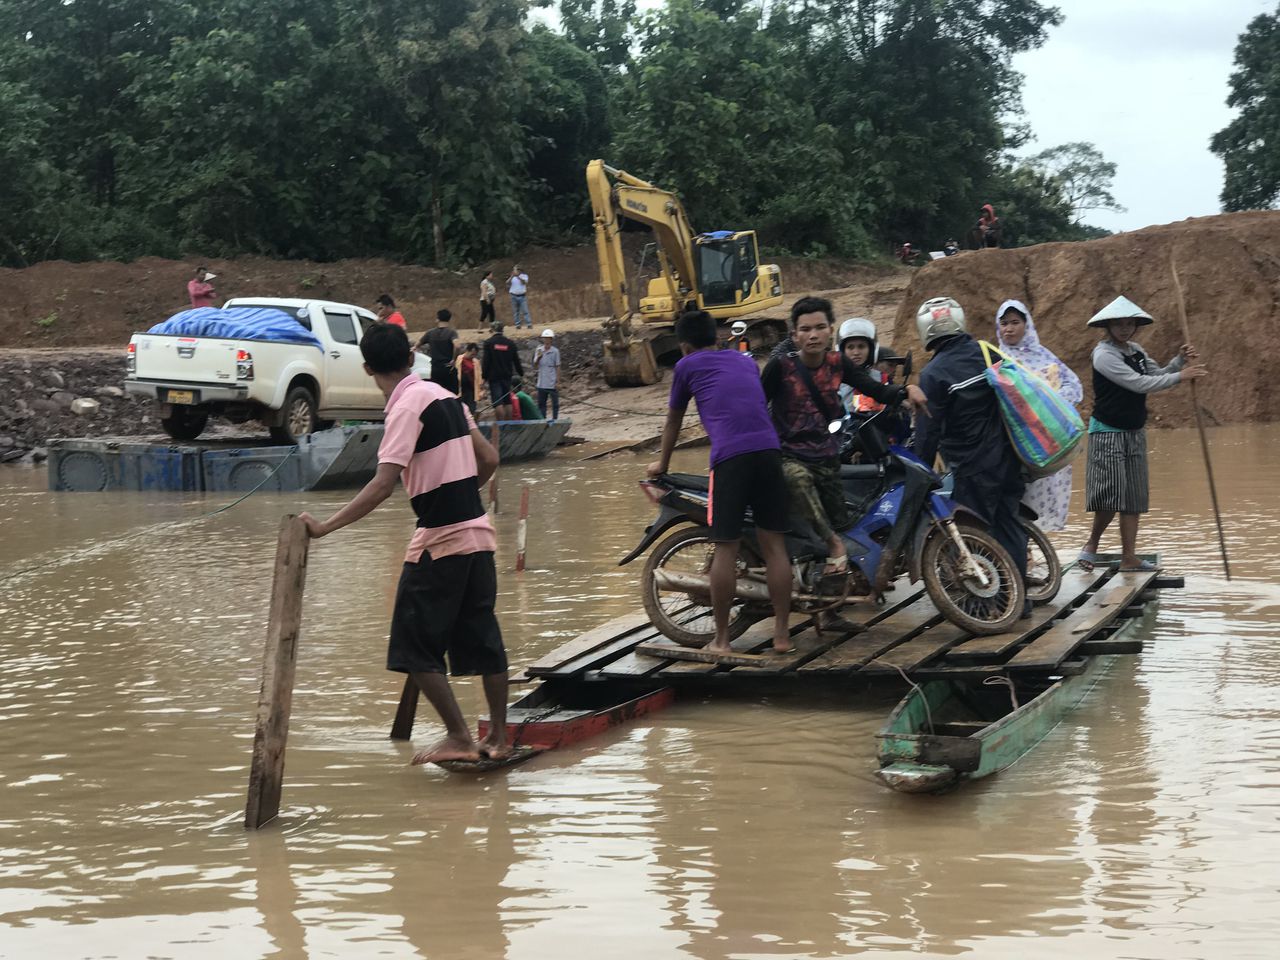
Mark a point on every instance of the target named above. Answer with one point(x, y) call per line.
point(451, 131)
point(1081, 174)
point(1250, 145)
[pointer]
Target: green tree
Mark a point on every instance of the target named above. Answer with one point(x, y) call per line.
point(1082, 174)
point(1250, 144)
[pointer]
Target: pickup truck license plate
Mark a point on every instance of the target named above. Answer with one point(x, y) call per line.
point(180, 396)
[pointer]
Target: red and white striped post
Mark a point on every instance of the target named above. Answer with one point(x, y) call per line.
point(522, 528)
point(493, 483)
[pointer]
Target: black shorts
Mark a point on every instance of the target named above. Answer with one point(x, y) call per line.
point(444, 375)
point(444, 607)
point(499, 392)
point(748, 480)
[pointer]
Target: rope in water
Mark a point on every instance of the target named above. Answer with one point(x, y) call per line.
point(151, 528)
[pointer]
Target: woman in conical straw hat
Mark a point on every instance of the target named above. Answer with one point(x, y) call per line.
point(1116, 475)
point(1049, 497)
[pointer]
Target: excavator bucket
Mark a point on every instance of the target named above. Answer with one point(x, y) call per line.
point(630, 365)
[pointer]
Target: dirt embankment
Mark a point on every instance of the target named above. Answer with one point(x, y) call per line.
point(1229, 266)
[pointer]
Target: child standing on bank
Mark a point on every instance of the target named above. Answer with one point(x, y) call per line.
point(746, 467)
point(1116, 474)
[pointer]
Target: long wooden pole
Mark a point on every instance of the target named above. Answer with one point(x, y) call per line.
point(522, 528)
point(275, 699)
point(1204, 439)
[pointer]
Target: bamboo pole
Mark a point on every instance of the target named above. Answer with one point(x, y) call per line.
point(522, 528)
point(493, 483)
point(1204, 439)
point(275, 699)
point(406, 711)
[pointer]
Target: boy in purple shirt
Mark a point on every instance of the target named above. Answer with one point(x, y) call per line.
point(746, 467)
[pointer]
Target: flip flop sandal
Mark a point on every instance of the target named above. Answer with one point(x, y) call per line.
point(1146, 566)
point(1090, 560)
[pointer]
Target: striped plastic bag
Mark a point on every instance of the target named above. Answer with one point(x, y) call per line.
point(1043, 426)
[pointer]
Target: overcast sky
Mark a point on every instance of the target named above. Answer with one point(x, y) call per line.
point(1147, 83)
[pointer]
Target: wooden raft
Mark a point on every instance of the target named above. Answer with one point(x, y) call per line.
point(905, 636)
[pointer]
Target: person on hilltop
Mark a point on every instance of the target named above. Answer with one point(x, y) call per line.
point(442, 346)
point(444, 606)
point(1049, 497)
point(746, 468)
point(1115, 478)
point(518, 286)
point(488, 293)
point(546, 365)
point(988, 227)
point(801, 382)
point(499, 365)
point(387, 312)
point(200, 291)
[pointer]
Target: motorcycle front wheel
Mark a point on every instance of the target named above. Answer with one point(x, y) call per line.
point(1044, 569)
point(686, 620)
point(963, 599)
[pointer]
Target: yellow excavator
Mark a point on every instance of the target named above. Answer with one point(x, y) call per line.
point(718, 272)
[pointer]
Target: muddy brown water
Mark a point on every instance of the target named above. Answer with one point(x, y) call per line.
point(1147, 825)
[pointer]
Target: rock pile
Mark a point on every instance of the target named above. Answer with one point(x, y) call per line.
point(71, 393)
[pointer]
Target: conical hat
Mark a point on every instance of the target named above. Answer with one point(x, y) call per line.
point(1121, 308)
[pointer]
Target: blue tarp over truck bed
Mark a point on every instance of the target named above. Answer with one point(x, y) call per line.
point(238, 323)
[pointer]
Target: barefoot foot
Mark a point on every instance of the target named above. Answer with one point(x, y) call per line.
point(495, 749)
point(450, 748)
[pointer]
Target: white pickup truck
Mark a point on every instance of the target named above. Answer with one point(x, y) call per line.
point(292, 388)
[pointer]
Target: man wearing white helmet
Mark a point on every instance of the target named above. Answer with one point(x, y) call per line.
point(546, 361)
point(964, 425)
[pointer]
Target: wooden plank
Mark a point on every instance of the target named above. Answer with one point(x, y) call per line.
point(758, 636)
point(980, 671)
point(919, 650)
point(813, 644)
point(1076, 582)
point(279, 659)
point(1099, 648)
point(604, 656)
point(876, 640)
point(667, 650)
point(586, 642)
point(1057, 643)
point(406, 711)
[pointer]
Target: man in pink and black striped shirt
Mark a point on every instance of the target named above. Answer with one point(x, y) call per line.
point(444, 607)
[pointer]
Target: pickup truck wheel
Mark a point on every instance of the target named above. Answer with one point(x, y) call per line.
point(185, 423)
point(299, 416)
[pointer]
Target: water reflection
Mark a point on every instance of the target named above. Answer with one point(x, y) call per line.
point(1144, 826)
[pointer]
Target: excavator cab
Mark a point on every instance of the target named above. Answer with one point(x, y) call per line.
point(728, 268)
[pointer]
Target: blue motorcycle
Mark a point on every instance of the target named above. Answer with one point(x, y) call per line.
point(904, 524)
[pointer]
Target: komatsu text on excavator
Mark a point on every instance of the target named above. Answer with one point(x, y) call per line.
point(718, 272)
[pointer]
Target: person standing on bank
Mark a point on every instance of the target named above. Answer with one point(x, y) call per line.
point(546, 365)
point(518, 285)
point(746, 468)
point(965, 426)
point(387, 312)
point(442, 346)
point(200, 291)
point(444, 606)
point(500, 364)
point(488, 293)
point(1049, 497)
point(1116, 475)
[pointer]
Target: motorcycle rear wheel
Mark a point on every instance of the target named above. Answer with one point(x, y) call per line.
point(682, 619)
point(1044, 569)
point(963, 600)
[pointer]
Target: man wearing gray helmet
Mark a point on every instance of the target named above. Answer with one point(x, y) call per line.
point(964, 425)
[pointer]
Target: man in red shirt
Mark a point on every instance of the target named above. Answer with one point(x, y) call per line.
point(388, 313)
point(199, 290)
point(444, 607)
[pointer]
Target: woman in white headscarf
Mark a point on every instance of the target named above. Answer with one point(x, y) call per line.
point(1049, 497)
